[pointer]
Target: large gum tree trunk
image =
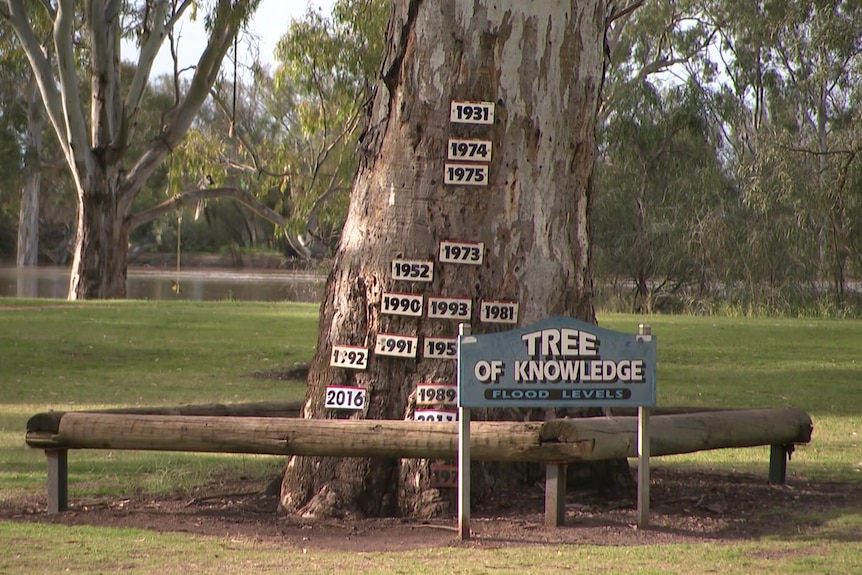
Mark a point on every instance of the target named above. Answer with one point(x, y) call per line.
point(541, 64)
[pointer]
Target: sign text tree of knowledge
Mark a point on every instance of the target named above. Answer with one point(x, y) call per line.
point(558, 362)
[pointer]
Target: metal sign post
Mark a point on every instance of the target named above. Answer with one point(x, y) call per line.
point(644, 335)
point(463, 455)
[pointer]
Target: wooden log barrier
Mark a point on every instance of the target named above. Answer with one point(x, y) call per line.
point(555, 441)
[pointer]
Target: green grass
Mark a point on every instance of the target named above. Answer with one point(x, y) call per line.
point(765, 362)
point(62, 356)
point(35, 549)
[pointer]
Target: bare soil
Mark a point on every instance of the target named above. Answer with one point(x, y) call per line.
point(686, 507)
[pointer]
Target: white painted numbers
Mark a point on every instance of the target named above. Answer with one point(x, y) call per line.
point(343, 397)
point(469, 253)
point(440, 348)
point(467, 112)
point(413, 270)
point(351, 357)
point(396, 345)
point(409, 304)
point(465, 174)
point(498, 311)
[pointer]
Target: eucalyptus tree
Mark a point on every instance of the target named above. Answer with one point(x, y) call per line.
point(12, 160)
point(284, 142)
point(793, 69)
point(659, 178)
point(327, 68)
point(532, 74)
point(95, 128)
point(23, 118)
point(661, 190)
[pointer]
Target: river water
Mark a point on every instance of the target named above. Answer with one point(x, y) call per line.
point(206, 284)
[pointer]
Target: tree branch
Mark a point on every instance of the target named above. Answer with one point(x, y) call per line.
point(76, 127)
point(152, 37)
point(226, 23)
point(194, 196)
point(41, 70)
point(614, 15)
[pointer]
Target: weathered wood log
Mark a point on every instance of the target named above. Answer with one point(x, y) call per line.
point(562, 440)
point(250, 409)
point(48, 422)
point(670, 434)
point(501, 441)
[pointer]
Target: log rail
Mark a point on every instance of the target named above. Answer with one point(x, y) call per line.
point(274, 428)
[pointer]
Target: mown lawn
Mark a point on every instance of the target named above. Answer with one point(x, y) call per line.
point(74, 355)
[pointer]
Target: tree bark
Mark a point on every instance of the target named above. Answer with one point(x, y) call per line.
point(100, 262)
point(28, 221)
point(541, 66)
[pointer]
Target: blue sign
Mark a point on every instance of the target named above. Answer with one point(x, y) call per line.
point(558, 362)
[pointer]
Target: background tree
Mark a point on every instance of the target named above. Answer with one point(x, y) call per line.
point(541, 64)
point(12, 127)
point(284, 143)
point(327, 67)
point(660, 192)
point(95, 136)
point(777, 86)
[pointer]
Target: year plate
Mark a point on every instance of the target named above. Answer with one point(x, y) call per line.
point(450, 307)
point(413, 270)
point(434, 415)
point(470, 150)
point(396, 345)
point(402, 303)
point(349, 356)
point(465, 174)
point(436, 394)
point(440, 348)
point(468, 112)
point(470, 253)
point(443, 475)
point(342, 397)
point(498, 311)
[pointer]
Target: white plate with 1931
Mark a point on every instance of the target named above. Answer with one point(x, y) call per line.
point(470, 112)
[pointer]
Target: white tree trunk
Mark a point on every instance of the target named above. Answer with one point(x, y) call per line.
point(540, 63)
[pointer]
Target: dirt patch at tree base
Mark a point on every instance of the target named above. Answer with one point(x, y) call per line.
point(686, 507)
